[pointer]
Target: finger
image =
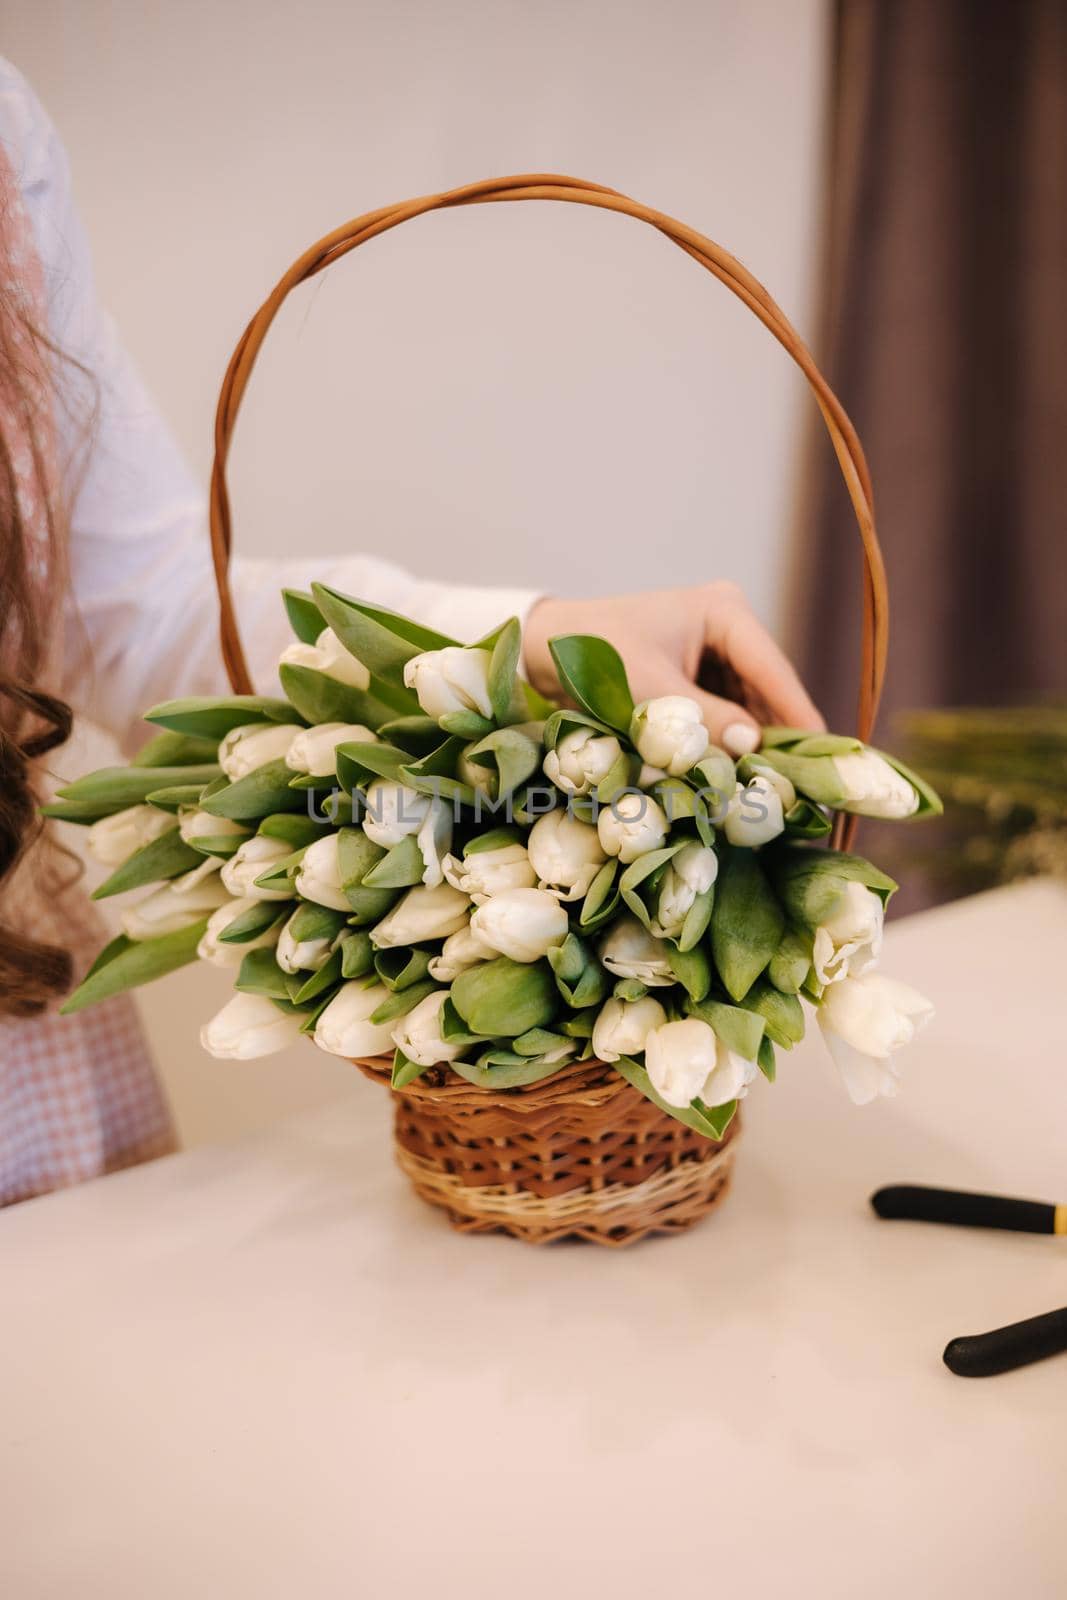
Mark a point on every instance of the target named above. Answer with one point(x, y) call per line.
point(729, 725)
point(759, 661)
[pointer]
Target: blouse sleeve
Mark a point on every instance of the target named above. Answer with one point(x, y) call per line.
point(141, 618)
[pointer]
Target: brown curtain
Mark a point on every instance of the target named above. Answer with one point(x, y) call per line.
point(945, 334)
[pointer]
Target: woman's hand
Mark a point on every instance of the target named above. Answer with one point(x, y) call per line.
point(671, 641)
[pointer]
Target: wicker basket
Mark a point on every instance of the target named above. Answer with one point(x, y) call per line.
point(582, 1154)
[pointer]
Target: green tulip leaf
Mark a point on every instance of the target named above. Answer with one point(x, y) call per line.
point(248, 925)
point(169, 749)
point(320, 698)
point(262, 791)
point(747, 921)
point(399, 968)
point(591, 671)
point(401, 1001)
point(207, 718)
point(160, 859)
point(113, 789)
point(305, 618)
point(128, 963)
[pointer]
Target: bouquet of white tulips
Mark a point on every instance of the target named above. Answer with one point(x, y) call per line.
point(412, 852)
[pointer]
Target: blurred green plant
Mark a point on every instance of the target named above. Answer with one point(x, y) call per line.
point(1002, 773)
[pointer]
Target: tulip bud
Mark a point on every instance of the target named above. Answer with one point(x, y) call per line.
point(687, 1060)
point(196, 825)
point(565, 853)
point(691, 872)
point(345, 1028)
point(170, 908)
point(451, 680)
point(318, 877)
point(459, 952)
point(849, 940)
point(327, 655)
point(622, 1027)
point(522, 924)
point(754, 816)
point(581, 760)
point(395, 812)
point(219, 954)
point(630, 951)
point(669, 732)
point(482, 873)
point(248, 1026)
point(253, 745)
point(872, 787)
point(314, 750)
point(423, 914)
point(418, 1033)
point(114, 839)
point(864, 1021)
point(632, 825)
point(307, 940)
point(249, 862)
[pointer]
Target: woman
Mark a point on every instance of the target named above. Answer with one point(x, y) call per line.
point(107, 605)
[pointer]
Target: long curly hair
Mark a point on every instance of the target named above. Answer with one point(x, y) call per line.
point(32, 719)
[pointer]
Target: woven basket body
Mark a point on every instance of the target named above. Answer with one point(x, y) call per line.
point(581, 1155)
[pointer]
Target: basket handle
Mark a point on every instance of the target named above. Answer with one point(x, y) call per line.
point(548, 186)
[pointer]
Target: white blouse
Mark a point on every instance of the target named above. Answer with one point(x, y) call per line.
point(142, 589)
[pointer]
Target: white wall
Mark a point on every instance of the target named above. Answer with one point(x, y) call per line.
point(523, 393)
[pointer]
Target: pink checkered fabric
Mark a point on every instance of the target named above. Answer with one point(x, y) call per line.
point(78, 1095)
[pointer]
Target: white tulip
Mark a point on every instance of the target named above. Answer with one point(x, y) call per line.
point(451, 680)
point(249, 861)
point(523, 924)
point(581, 760)
point(314, 750)
point(253, 745)
point(212, 949)
point(687, 1060)
point(872, 787)
point(195, 824)
point(327, 655)
point(850, 940)
point(566, 854)
point(630, 951)
point(421, 915)
point(632, 825)
point(171, 908)
point(864, 1020)
point(301, 955)
point(482, 873)
point(691, 872)
point(345, 1028)
point(394, 812)
point(781, 785)
point(623, 1026)
point(754, 816)
point(459, 952)
point(318, 877)
point(248, 1026)
point(669, 732)
point(114, 839)
point(418, 1034)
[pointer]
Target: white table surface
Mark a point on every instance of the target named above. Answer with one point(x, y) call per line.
point(266, 1369)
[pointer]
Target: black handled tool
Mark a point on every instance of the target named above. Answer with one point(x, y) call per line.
point(915, 1202)
point(982, 1355)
